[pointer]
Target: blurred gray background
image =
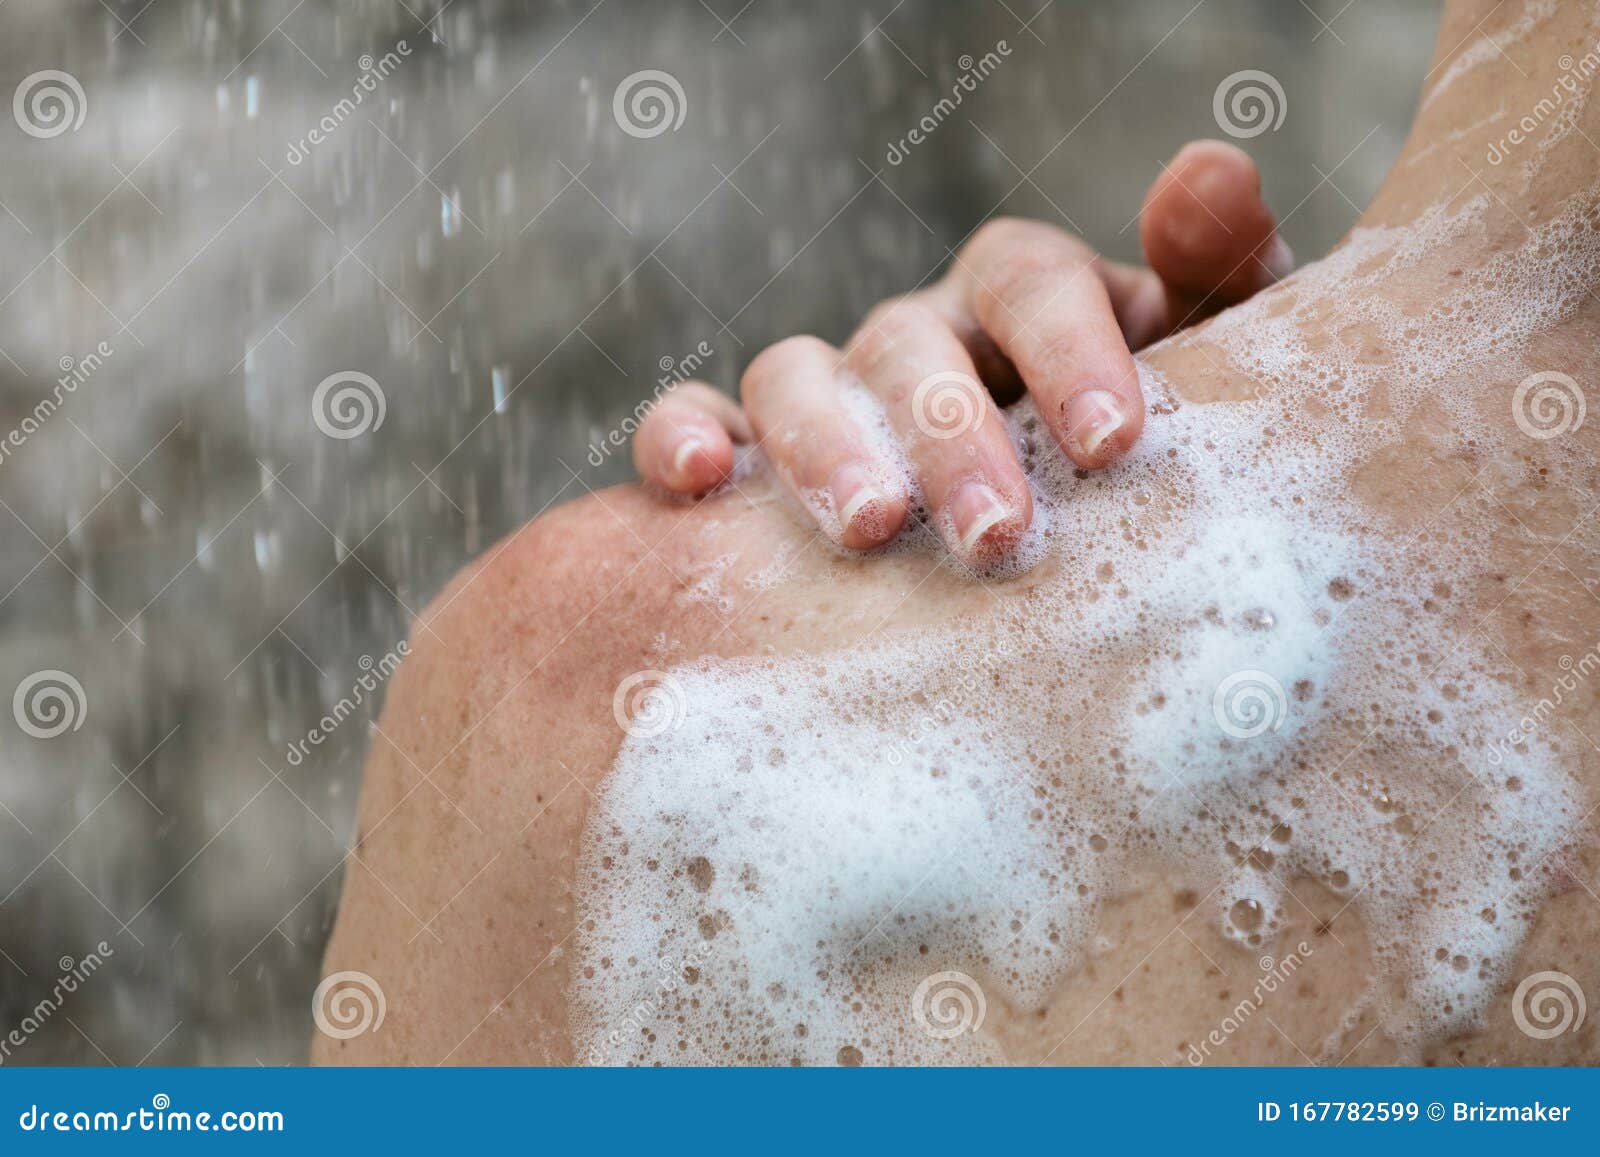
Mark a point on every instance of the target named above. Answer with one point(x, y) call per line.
point(480, 237)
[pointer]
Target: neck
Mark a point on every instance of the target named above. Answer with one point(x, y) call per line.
point(1508, 112)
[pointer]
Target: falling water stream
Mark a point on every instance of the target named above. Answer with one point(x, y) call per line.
point(304, 304)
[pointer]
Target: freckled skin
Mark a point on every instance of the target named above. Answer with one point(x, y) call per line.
point(499, 729)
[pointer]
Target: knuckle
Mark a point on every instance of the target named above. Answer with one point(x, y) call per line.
point(1000, 233)
point(780, 361)
point(1002, 237)
point(1032, 290)
point(892, 326)
point(1006, 292)
point(1025, 276)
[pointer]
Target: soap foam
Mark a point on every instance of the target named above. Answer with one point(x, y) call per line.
point(1278, 694)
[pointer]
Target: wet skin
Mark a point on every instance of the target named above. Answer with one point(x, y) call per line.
point(498, 732)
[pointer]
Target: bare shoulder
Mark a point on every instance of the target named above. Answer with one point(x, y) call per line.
point(457, 893)
point(499, 726)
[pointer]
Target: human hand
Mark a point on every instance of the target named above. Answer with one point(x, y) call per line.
point(1025, 306)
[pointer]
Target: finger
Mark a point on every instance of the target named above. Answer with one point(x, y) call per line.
point(1143, 306)
point(1210, 239)
point(1040, 295)
point(1206, 231)
point(957, 441)
point(685, 443)
point(796, 405)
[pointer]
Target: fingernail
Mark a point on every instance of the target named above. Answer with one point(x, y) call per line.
point(1092, 417)
point(860, 502)
point(976, 510)
point(1279, 260)
point(686, 450)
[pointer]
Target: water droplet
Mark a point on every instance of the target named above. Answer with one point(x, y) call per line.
point(499, 377)
point(1246, 915)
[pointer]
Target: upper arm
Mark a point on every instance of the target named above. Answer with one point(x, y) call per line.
point(457, 904)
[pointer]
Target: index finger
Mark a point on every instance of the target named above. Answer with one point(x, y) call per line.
point(1039, 294)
